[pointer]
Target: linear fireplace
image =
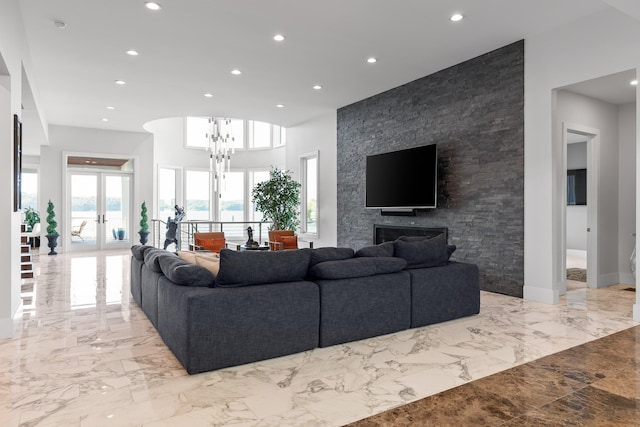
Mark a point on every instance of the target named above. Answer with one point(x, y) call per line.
point(386, 233)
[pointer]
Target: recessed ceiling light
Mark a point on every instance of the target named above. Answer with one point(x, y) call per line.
point(634, 82)
point(110, 107)
point(372, 60)
point(317, 87)
point(152, 5)
point(278, 37)
point(456, 17)
point(59, 24)
point(208, 95)
point(280, 105)
point(236, 72)
point(132, 52)
point(120, 82)
point(105, 120)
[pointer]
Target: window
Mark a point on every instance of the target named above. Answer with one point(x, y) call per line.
point(166, 192)
point(197, 191)
point(256, 177)
point(279, 136)
point(232, 197)
point(29, 188)
point(260, 134)
point(196, 131)
point(309, 178)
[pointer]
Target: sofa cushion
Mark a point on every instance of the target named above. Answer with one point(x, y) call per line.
point(187, 256)
point(356, 267)
point(382, 250)
point(329, 254)
point(209, 261)
point(152, 256)
point(138, 251)
point(262, 267)
point(423, 253)
point(184, 273)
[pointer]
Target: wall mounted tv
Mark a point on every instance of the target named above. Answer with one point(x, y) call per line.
point(401, 180)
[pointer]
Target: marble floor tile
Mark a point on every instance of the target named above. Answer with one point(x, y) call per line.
point(85, 354)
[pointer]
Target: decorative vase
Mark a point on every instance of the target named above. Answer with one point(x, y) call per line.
point(53, 242)
point(143, 237)
point(120, 233)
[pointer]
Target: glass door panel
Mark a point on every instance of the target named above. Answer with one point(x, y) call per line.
point(84, 210)
point(117, 210)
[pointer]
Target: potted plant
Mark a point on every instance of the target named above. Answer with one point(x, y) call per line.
point(52, 233)
point(144, 226)
point(31, 218)
point(278, 199)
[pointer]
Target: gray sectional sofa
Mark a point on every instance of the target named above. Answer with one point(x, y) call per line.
point(262, 305)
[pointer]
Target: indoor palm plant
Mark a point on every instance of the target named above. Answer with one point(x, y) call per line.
point(278, 199)
point(144, 226)
point(31, 217)
point(52, 233)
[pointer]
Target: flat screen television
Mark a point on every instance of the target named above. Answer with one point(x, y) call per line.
point(405, 179)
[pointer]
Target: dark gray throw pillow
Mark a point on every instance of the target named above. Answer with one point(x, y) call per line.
point(152, 257)
point(356, 267)
point(138, 251)
point(450, 250)
point(385, 249)
point(329, 254)
point(184, 273)
point(262, 267)
point(423, 253)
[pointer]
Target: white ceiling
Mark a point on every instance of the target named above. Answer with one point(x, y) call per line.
point(614, 88)
point(190, 46)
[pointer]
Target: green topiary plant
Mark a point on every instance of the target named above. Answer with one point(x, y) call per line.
point(144, 226)
point(278, 199)
point(51, 222)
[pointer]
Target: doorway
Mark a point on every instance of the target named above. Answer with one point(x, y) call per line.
point(580, 207)
point(99, 206)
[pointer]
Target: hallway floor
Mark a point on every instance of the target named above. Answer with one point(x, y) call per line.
point(86, 355)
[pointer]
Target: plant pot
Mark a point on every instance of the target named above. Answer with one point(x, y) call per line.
point(53, 242)
point(143, 237)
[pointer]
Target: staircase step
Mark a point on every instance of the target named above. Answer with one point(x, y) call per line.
point(26, 274)
point(25, 249)
point(26, 266)
point(25, 257)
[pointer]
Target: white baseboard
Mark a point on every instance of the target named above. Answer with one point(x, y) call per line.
point(636, 312)
point(9, 325)
point(608, 279)
point(543, 295)
point(627, 279)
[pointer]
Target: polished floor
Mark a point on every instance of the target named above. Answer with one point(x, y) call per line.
point(86, 355)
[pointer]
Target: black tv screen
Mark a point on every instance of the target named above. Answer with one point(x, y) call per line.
point(405, 179)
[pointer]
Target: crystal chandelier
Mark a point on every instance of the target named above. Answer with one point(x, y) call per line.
point(220, 150)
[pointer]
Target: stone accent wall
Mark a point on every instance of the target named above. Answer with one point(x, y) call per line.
point(474, 111)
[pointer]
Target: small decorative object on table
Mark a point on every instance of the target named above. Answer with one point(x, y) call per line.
point(250, 242)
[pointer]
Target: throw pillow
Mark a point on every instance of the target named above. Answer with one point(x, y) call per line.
point(450, 250)
point(382, 250)
point(183, 273)
point(210, 263)
point(262, 267)
point(329, 254)
point(423, 253)
point(187, 256)
point(289, 242)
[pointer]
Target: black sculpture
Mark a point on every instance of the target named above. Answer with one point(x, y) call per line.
point(251, 243)
point(172, 227)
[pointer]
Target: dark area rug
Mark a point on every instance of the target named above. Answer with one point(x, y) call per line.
point(577, 274)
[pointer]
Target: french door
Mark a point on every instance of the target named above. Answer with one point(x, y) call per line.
point(99, 210)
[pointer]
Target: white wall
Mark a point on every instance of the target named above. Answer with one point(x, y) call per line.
point(591, 113)
point(318, 134)
point(97, 141)
point(598, 45)
point(14, 58)
point(626, 188)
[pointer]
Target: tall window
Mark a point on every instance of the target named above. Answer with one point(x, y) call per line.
point(166, 192)
point(260, 134)
point(29, 188)
point(256, 177)
point(309, 178)
point(232, 197)
point(197, 191)
point(196, 131)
